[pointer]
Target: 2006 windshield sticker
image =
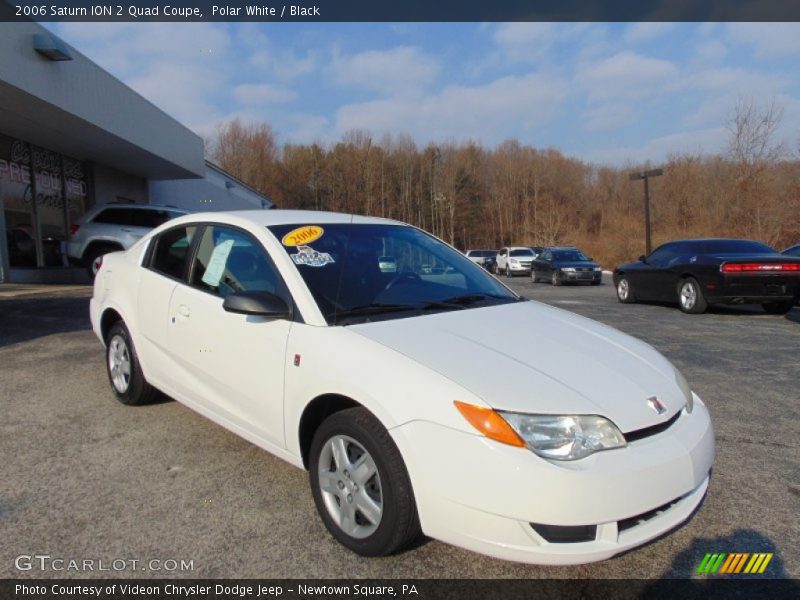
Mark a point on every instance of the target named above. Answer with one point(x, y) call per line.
point(303, 235)
point(309, 257)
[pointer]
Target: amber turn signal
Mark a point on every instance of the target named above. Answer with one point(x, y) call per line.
point(489, 423)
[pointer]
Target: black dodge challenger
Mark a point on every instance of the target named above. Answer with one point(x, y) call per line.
point(696, 273)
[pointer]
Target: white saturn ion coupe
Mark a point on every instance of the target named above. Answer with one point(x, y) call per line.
point(421, 400)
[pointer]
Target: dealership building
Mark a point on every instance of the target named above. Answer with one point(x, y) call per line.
point(73, 136)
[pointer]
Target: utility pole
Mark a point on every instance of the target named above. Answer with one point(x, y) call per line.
point(646, 175)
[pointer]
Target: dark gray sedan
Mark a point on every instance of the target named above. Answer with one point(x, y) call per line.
point(565, 264)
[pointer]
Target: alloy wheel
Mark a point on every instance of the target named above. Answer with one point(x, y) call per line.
point(623, 289)
point(119, 363)
point(688, 296)
point(350, 486)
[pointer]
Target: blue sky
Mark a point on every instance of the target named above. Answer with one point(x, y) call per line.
point(607, 93)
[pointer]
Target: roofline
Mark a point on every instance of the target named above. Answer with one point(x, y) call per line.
point(221, 171)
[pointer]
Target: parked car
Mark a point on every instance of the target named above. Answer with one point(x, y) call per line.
point(111, 227)
point(479, 256)
point(416, 404)
point(794, 251)
point(22, 247)
point(514, 260)
point(698, 273)
point(490, 264)
point(565, 264)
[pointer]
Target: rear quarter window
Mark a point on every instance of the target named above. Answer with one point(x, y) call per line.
point(170, 250)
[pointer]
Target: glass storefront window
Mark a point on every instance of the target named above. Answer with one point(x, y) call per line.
point(59, 184)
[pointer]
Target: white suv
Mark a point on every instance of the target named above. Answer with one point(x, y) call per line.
point(112, 227)
point(514, 260)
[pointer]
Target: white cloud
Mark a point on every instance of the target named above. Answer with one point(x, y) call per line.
point(768, 40)
point(503, 108)
point(638, 33)
point(656, 150)
point(529, 42)
point(403, 70)
point(262, 93)
point(711, 51)
point(626, 74)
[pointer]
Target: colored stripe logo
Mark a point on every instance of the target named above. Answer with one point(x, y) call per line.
point(736, 562)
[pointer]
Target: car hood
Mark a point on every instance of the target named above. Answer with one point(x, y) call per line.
point(533, 358)
point(560, 264)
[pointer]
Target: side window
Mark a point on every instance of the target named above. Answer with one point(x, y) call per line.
point(170, 250)
point(149, 218)
point(546, 255)
point(661, 256)
point(116, 216)
point(229, 261)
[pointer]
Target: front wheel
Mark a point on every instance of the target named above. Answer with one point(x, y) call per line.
point(690, 297)
point(508, 271)
point(360, 484)
point(555, 279)
point(778, 308)
point(625, 291)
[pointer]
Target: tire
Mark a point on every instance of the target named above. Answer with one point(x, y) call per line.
point(534, 278)
point(132, 388)
point(386, 495)
point(778, 308)
point(690, 297)
point(555, 279)
point(93, 254)
point(508, 271)
point(596, 283)
point(625, 291)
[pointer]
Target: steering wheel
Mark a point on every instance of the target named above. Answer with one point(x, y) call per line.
point(405, 276)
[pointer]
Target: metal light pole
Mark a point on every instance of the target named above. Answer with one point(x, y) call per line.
point(646, 176)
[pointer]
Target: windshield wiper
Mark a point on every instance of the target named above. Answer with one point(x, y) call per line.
point(377, 308)
point(469, 299)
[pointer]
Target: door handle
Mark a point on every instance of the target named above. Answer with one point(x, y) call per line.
point(184, 311)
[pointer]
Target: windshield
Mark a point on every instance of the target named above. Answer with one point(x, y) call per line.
point(482, 253)
point(365, 272)
point(575, 255)
point(524, 252)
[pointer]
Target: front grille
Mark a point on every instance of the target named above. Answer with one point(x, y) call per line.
point(525, 264)
point(637, 520)
point(566, 534)
point(639, 434)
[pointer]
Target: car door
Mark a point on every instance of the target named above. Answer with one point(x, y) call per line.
point(164, 266)
point(230, 364)
point(502, 259)
point(649, 279)
point(544, 264)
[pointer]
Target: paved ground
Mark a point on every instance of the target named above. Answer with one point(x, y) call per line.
point(85, 477)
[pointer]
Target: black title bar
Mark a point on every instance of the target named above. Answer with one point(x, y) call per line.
point(402, 10)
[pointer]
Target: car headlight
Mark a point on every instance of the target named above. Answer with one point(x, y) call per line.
point(565, 437)
point(687, 391)
point(513, 261)
point(597, 269)
point(568, 269)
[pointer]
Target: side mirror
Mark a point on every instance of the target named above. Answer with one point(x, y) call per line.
point(262, 304)
point(643, 258)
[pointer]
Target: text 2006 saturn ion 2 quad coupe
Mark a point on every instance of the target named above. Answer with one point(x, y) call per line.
point(282, 327)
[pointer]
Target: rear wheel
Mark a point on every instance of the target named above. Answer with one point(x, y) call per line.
point(124, 371)
point(625, 291)
point(690, 297)
point(778, 308)
point(360, 484)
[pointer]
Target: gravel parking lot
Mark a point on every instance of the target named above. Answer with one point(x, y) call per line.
point(85, 477)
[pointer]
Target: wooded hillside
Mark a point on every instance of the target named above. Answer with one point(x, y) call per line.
point(477, 197)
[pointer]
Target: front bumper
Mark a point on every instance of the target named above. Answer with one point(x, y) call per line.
point(481, 495)
point(581, 275)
